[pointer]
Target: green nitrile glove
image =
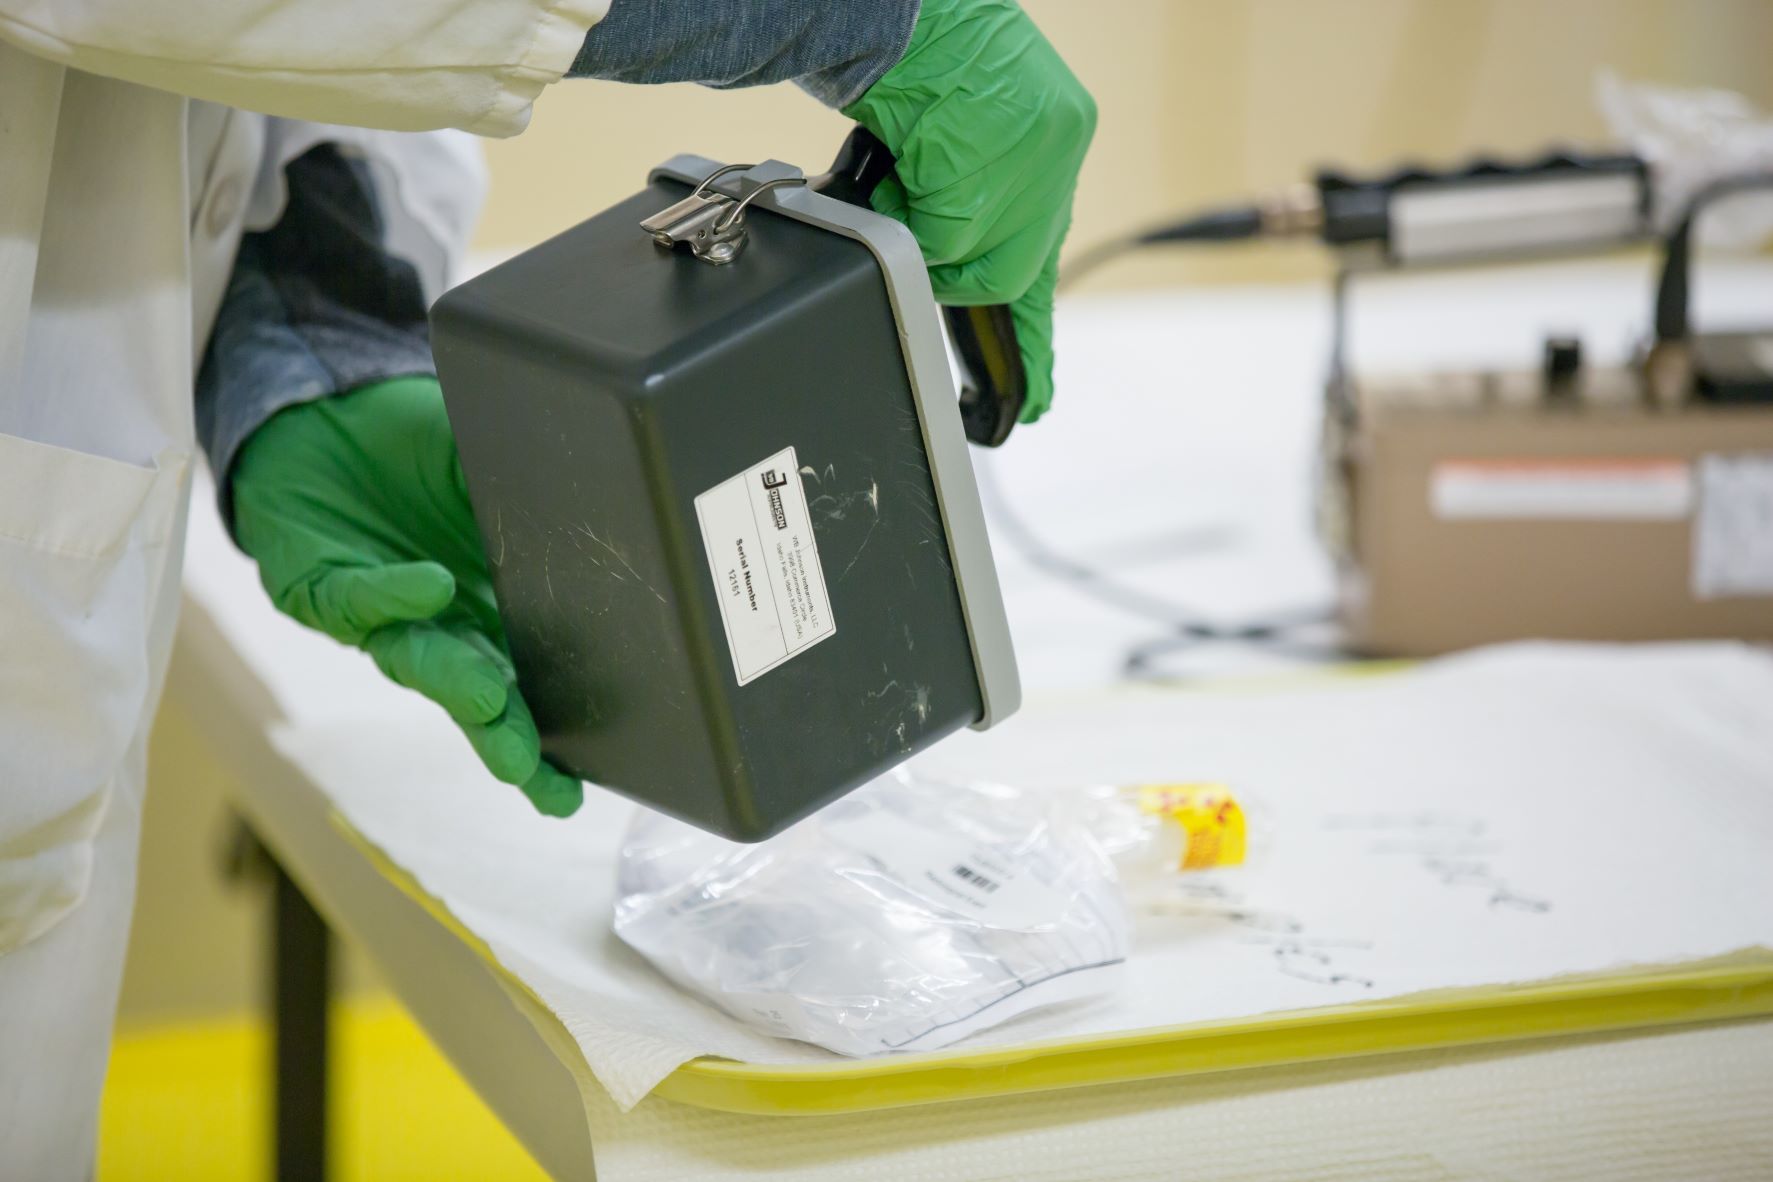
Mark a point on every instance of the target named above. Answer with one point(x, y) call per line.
point(989, 129)
point(356, 510)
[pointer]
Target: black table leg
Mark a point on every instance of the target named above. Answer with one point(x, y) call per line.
point(300, 990)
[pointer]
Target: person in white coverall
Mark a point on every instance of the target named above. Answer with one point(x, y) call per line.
point(221, 222)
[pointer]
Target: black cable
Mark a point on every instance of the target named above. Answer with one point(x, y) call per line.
point(1184, 627)
point(1672, 313)
point(1216, 225)
point(1092, 581)
point(1275, 635)
point(1229, 224)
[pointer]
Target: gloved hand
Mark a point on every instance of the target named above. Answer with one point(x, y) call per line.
point(989, 129)
point(356, 510)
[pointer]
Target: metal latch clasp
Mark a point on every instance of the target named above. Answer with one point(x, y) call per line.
point(712, 225)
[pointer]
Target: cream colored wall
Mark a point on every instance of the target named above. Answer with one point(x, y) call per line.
point(1201, 100)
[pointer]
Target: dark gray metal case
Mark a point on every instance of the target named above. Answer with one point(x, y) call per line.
point(598, 385)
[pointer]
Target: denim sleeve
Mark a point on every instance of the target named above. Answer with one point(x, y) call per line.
point(315, 305)
point(833, 49)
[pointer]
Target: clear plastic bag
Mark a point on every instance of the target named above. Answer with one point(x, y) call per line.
point(1691, 138)
point(904, 917)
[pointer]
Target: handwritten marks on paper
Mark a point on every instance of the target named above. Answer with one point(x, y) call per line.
point(1454, 855)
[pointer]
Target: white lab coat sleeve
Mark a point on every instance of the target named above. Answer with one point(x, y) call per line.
point(411, 65)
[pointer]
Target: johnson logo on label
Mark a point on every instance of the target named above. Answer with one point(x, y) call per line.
point(773, 481)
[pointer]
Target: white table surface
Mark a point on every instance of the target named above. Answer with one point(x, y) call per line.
point(1179, 457)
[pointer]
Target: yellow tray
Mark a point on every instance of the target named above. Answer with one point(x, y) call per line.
point(1737, 986)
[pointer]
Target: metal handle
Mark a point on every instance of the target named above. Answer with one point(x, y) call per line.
point(711, 225)
point(737, 213)
point(993, 382)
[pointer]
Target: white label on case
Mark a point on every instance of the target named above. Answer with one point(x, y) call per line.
point(1733, 535)
point(765, 563)
point(1622, 489)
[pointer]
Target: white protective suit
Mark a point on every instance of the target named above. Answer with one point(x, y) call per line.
point(122, 202)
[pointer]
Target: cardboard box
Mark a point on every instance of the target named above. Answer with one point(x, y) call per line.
point(1459, 522)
